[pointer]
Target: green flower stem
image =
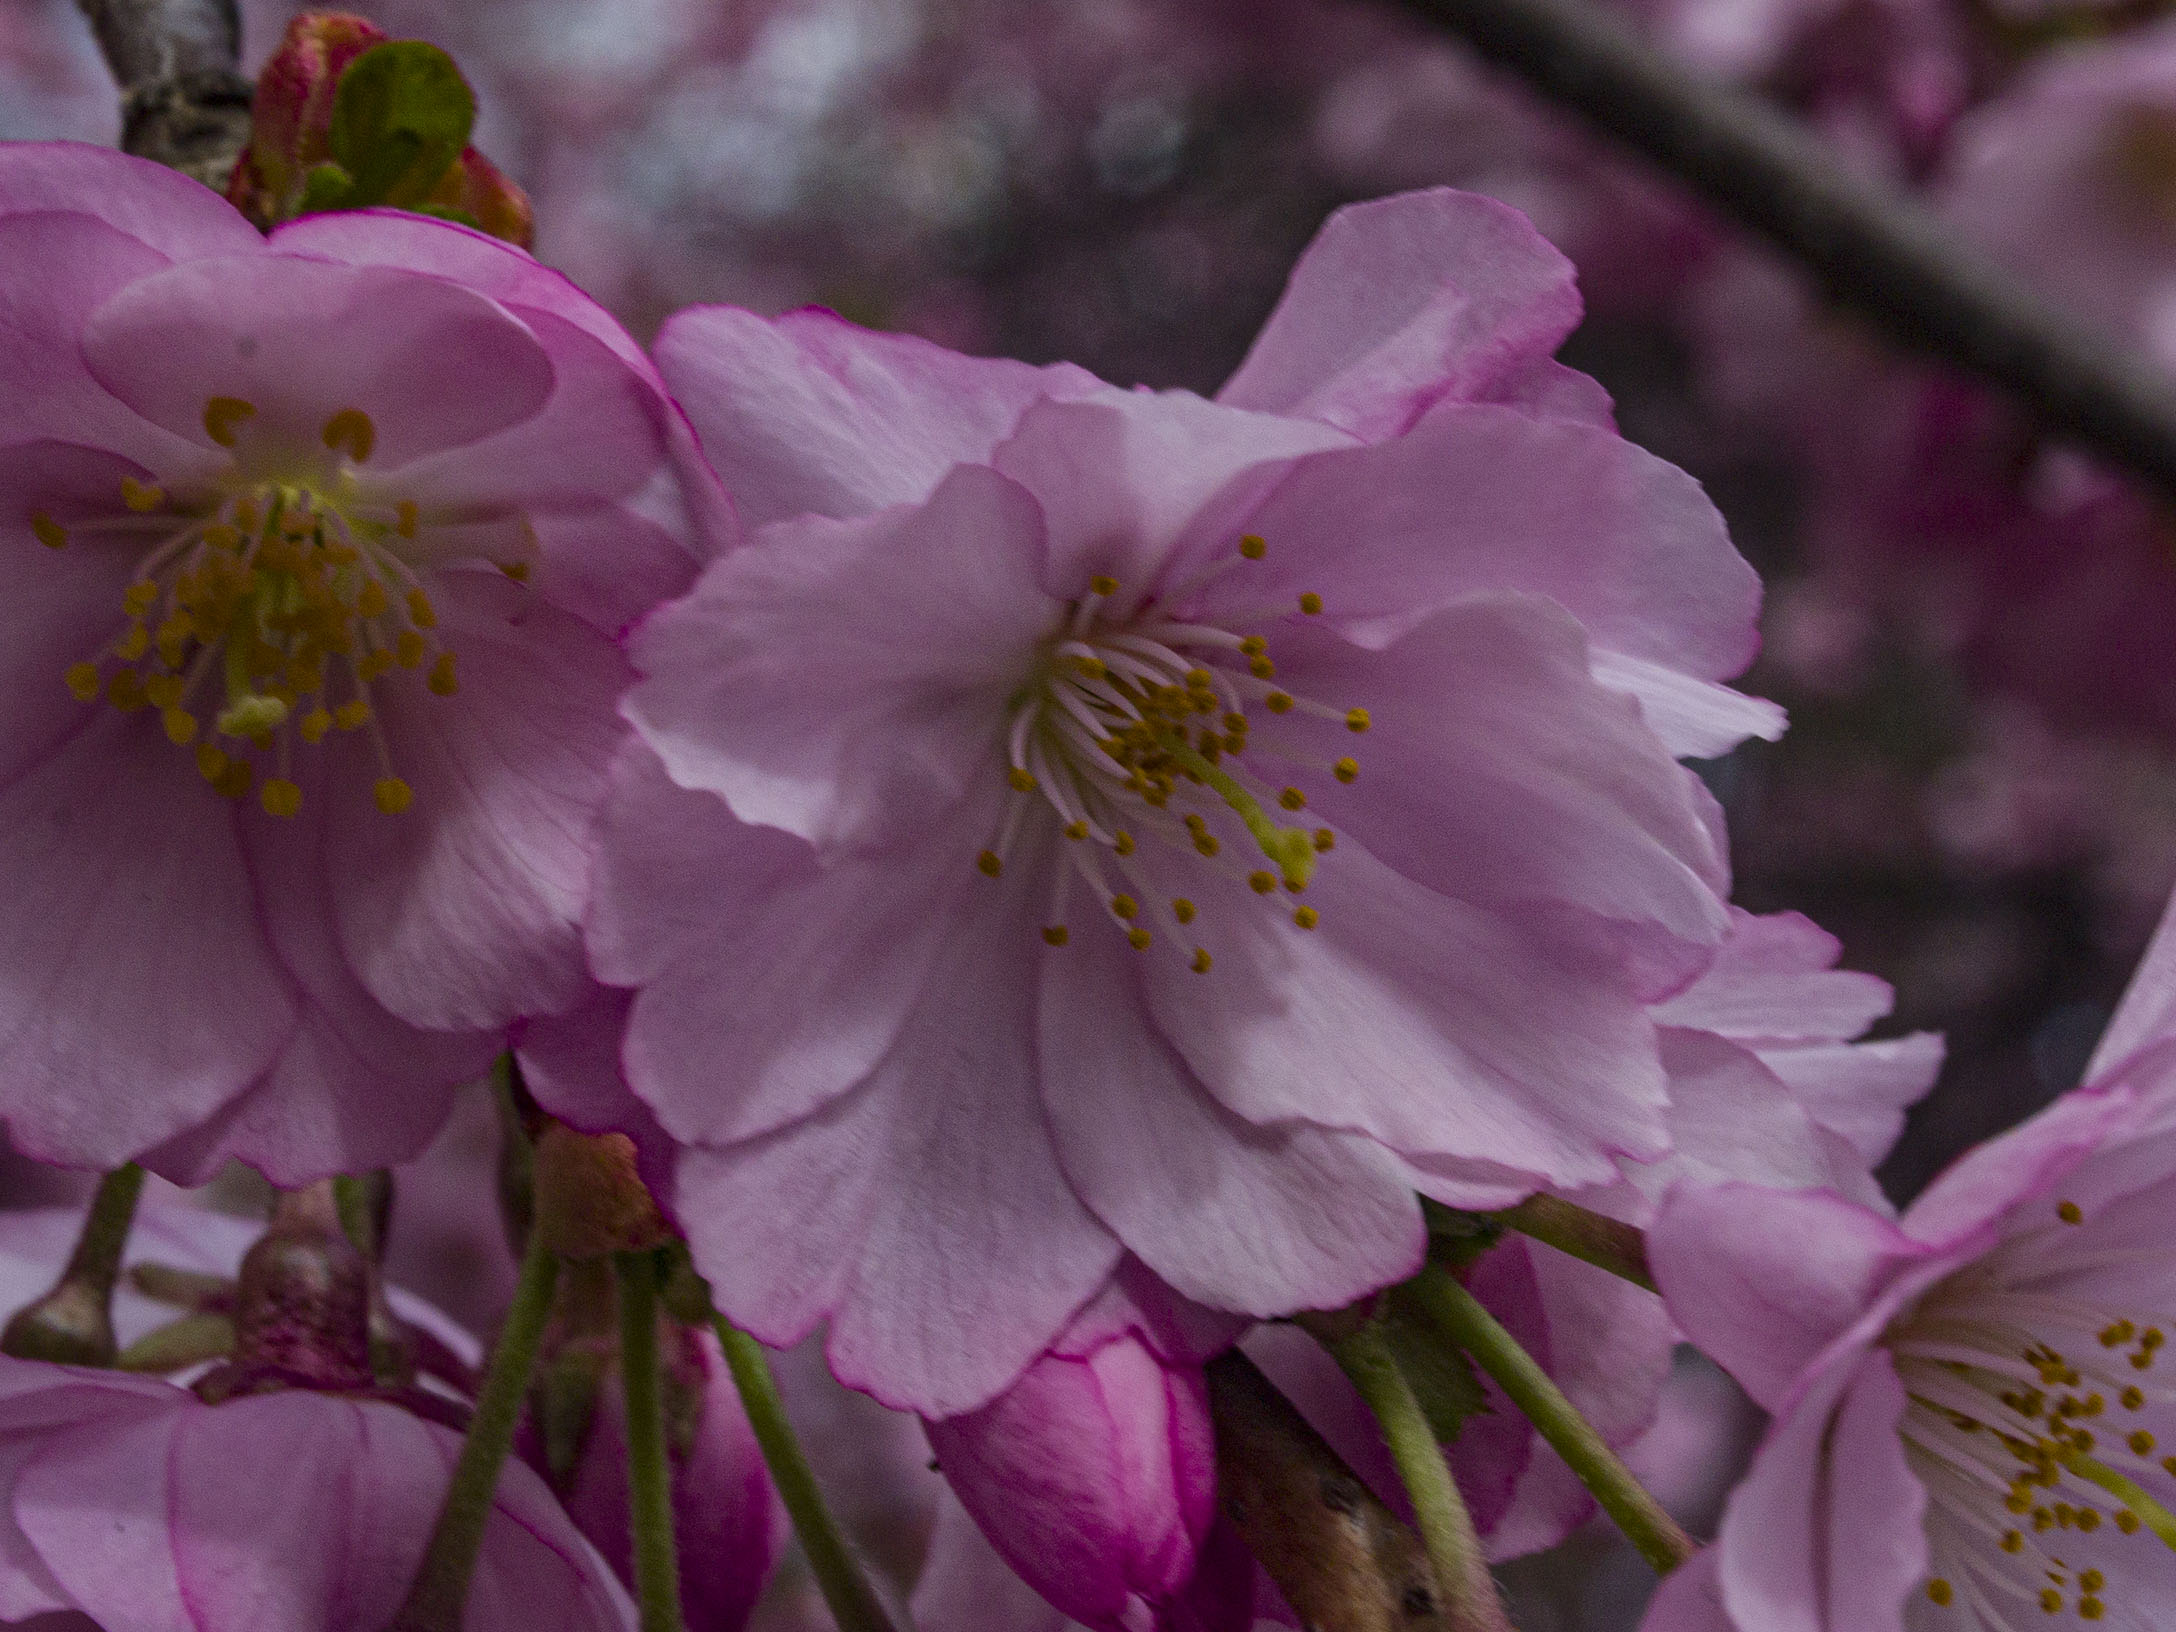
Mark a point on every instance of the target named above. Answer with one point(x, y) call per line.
point(73, 1323)
point(1468, 1592)
point(649, 1467)
point(853, 1602)
point(1661, 1541)
point(1593, 1238)
point(435, 1601)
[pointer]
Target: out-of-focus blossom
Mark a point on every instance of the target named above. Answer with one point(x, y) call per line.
point(984, 838)
point(1967, 1411)
point(318, 551)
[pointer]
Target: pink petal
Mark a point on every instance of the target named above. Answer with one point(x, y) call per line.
point(966, 1586)
point(2025, 1163)
point(1696, 719)
point(137, 994)
point(1731, 1118)
point(1860, 1091)
point(2147, 1014)
point(1690, 1598)
point(95, 1503)
point(179, 218)
point(433, 365)
point(1405, 300)
point(847, 680)
point(810, 413)
point(1259, 1220)
point(571, 1063)
point(463, 912)
point(1774, 980)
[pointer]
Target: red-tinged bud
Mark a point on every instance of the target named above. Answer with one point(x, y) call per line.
point(291, 117)
point(590, 1198)
point(478, 192)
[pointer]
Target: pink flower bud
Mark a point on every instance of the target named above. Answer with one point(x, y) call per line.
point(1094, 1475)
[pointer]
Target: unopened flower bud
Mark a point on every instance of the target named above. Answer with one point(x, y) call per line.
point(589, 1197)
point(302, 1303)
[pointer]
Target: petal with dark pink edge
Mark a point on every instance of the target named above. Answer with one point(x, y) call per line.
point(137, 994)
point(1495, 770)
point(159, 207)
point(1825, 1533)
point(925, 1213)
point(2022, 1164)
point(1431, 1025)
point(1258, 1220)
point(94, 1501)
point(808, 412)
point(355, 1087)
point(433, 365)
point(395, 1482)
point(1763, 1280)
point(56, 270)
point(1123, 475)
point(846, 680)
point(1477, 499)
point(1402, 301)
point(463, 911)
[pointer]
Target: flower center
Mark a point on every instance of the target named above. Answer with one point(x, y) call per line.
point(265, 612)
point(2027, 1416)
point(1141, 725)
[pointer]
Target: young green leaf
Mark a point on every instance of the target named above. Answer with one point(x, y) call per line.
point(400, 119)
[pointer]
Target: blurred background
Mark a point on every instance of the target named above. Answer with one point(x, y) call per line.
point(1975, 632)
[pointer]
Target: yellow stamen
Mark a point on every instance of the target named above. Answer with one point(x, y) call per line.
point(1940, 1591)
point(1183, 910)
point(1346, 770)
point(280, 797)
point(1356, 719)
point(1103, 584)
point(405, 518)
point(1022, 781)
point(393, 795)
point(1306, 917)
point(990, 863)
point(1056, 935)
point(48, 532)
point(141, 497)
point(351, 431)
point(408, 649)
point(2069, 1212)
point(83, 681)
point(1253, 546)
point(223, 416)
point(1138, 939)
point(352, 716)
point(1200, 965)
point(1310, 603)
point(1125, 906)
point(180, 726)
point(420, 610)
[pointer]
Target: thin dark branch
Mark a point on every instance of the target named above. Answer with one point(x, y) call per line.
point(184, 101)
point(1875, 251)
point(1340, 1557)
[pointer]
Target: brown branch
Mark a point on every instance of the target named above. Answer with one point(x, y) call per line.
point(184, 101)
point(1340, 1557)
point(1876, 251)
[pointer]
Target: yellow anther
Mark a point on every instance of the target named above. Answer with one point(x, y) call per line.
point(1261, 883)
point(404, 518)
point(1306, 917)
point(370, 600)
point(1183, 910)
point(350, 432)
point(141, 497)
point(1292, 799)
point(2151, 1338)
point(2091, 1581)
point(2013, 1541)
point(125, 690)
point(2091, 1609)
point(408, 649)
point(1093, 667)
point(47, 531)
point(180, 726)
point(1200, 965)
point(1253, 646)
point(1253, 546)
point(2140, 1442)
point(1325, 840)
point(1346, 770)
point(280, 797)
point(2069, 1212)
point(990, 863)
point(1138, 939)
point(2088, 1520)
point(1207, 843)
point(1356, 719)
point(1125, 906)
point(2132, 1398)
point(1022, 781)
point(314, 725)
point(1103, 584)
point(1940, 1591)
point(352, 716)
point(1278, 702)
point(139, 598)
point(2114, 1337)
point(211, 760)
point(2051, 1600)
point(420, 610)
point(1310, 603)
point(83, 681)
point(516, 570)
point(1262, 668)
point(1076, 830)
point(223, 416)
point(373, 666)
point(1056, 935)
point(163, 690)
point(134, 644)
point(1236, 724)
point(2127, 1522)
point(393, 795)
point(234, 779)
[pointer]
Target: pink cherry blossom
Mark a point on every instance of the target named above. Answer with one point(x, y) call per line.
point(960, 866)
point(1966, 1405)
point(316, 548)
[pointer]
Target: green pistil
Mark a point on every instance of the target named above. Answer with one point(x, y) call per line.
point(249, 713)
point(1291, 848)
point(2149, 1512)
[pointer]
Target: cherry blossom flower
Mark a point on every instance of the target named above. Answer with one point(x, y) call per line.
point(316, 551)
point(1166, 825)
point(1968, 1403)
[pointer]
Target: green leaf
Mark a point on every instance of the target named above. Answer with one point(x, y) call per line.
point(1440, 1373)
point(326, 187)
point(400, 118)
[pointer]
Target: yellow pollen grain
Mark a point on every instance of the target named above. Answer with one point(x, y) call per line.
point(1138, 938)
point(180, 726)
point(1183, 910)
point(370, 600)
point(393, 795)
point(1292, 799)
point(47, 531)
point(2140, 1442)
point(2013, 1541)
point(2069, 1212)
point(1056, 935)
point(373, 666)
point(133, 644)
point(1325, 841)
point(1200, 965)
point(1253, 546)
point(1940, 1591)
point(82, 680)
point(1253, 646)
point(1103, 584)
point(314, 725)
point(2091, 1581)
point(280, 797)
point(1278, 702)
point(1207, 843)
point(2051, 1600)
point(990, 863)
point(352, 716)
point(442, 679)
point(1306, 917)
point(223, 416)
point(141, 497)
point(2127, 1522)
point(420, 610)
point(2088, 1520)
point(1125, 906)
point(351, 432)
point(1076, 830)
point(1262, 668)
point(1357, 719)
point(1310, 603)
point(1122, 843)
point(2132, 1397)
point(408, 650)
point(1022, 781)
point(1346, 770)
point(1261, 883)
